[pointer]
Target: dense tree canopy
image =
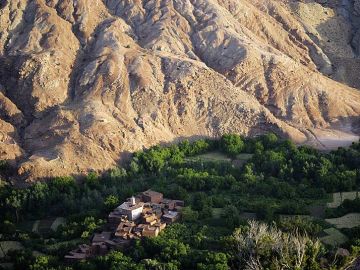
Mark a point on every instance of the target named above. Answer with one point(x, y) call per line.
point(263, 176)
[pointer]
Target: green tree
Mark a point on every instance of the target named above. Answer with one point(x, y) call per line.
point(41, 263)
point(231, 216)
point(200, 201)
point(189, 215)
point(111, 202)
point(270, 140)
point(92, 180)
point(174, 250)
point(116, 260)
point(8, 227)
point(15, 202)
point(232, 144)
point(248, 174)
point(117, 173)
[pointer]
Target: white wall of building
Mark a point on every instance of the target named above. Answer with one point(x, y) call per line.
point(136, 213)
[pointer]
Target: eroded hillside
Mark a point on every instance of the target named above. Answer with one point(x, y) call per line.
point(82, 83)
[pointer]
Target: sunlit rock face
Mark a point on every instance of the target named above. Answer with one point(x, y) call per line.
point(83, 83)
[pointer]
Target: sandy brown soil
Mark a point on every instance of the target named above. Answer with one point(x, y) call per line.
point(84, 83)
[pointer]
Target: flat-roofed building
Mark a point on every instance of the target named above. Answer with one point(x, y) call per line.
point(131, 209)
point(81, 253)
point(101, 237)
point(168, 204)
point(179, 203)
point(147, 218)
point(115, 217)
point(171, 217)
point(160, 225)
point(152, 196)
point(151, 231)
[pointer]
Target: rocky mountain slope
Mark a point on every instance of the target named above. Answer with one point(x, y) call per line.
point(84, 82)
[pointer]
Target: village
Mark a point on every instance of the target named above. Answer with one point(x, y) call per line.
point(144, 215)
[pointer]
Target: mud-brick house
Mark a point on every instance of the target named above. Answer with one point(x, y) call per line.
point(152, 196)
point(101, 237)
point(150, 231)
point(179, 203)
point(168, 204)
point(170, 217)
point(82, 252)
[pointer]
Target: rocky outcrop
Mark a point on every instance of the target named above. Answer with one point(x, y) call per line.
point(334, 26)
point(84, 82)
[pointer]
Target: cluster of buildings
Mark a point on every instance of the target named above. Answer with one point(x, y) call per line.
point(144, 215)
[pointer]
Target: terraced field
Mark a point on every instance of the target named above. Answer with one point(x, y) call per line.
point(339, 197)
point(6, 246)
point(42, 226)
point(350, 220)
point(333, 237)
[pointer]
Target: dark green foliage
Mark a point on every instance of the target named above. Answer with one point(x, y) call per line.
point(280, 178)
point(115, 260)
point(347, 206)
point(111, 202)
point(301, 224)
point(231, 216)
point(232, 144)
point(3, 165)
point(189, 215)
point(79, 227)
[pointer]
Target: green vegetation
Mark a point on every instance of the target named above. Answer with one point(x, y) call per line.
point(224, 183)
point(6, 246)
point(348, 221)
point(333, 237)
point(212, 156)
point(339, 197)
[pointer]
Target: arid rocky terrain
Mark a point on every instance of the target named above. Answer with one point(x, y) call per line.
point(85, 82)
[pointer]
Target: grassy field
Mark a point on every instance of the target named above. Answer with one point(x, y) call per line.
point(42, 226)
point(6, 246)
point(212, 156)
point(348, 221)
point(244, 156)
point(333, 237)
point(339, 197)
point(318, 209)
point(239, 161)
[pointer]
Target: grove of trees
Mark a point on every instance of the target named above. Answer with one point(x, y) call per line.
point(277, 178)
